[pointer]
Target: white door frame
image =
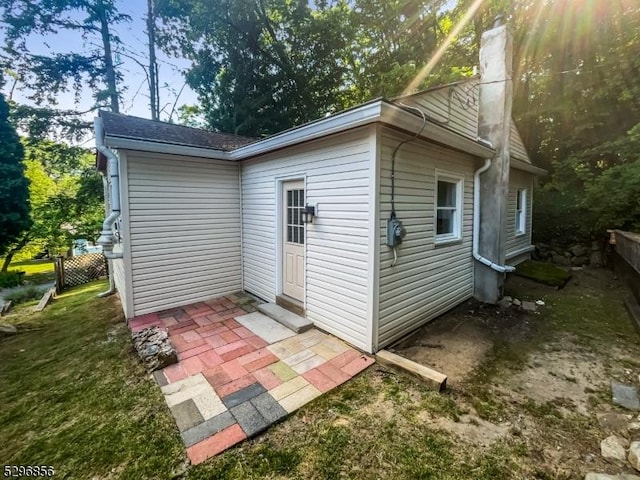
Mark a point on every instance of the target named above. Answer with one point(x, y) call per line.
point(279, 188)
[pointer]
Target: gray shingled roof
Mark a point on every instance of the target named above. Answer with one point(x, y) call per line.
point(125, 126)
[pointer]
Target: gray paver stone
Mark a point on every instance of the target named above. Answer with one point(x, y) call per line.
point(208, 428)
point(249, 419)
point(241, 396)
point(186, 414)
point(268, 407)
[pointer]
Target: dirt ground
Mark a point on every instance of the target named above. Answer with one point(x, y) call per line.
point(539, 377)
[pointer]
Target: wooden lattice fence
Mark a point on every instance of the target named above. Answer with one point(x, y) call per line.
point(81, 269)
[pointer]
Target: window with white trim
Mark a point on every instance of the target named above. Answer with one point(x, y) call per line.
point(521, 211)
point(448, 208)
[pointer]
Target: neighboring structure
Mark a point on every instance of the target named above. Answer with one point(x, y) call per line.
point(389, 191)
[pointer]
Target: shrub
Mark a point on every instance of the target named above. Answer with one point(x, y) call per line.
point(10, 279)
point(25, 295)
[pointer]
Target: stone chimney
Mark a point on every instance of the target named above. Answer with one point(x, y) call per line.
point(494, 124)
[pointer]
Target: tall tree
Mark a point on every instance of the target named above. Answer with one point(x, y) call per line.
point(154, 89)
point(45, 75)
point(14, 192)
point(260, 66)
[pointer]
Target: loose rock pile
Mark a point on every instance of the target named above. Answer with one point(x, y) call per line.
point(509, 302)
point(622, 446)
point(154, 348)
point(575, 256)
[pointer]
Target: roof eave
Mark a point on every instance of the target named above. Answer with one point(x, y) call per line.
point(125, 143)
point(527, 167)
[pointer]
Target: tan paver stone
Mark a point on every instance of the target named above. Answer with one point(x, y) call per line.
point(299, 398)
point(209, 404)
point(325, 351)
point(308, 364)
point(287, 388)
point(293, 345)
point(186, 394)
point(183, 384)
point(310, 338)
point(282, 371)
point(305, 354)
point(280, 350)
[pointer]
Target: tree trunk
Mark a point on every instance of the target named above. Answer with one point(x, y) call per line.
point(154, 92)
point(7, 260)
point(108, 62)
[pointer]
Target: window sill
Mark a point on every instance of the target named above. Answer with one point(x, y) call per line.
point(520, 234)
point(445, 242)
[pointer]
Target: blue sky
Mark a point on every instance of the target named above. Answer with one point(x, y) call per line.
point(135, 99)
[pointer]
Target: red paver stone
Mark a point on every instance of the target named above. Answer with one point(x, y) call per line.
point(211, 330)
point(210, 358)
point(356, 366)
point(173, 373)
point(218, 307)
point(256, 342)
point(229, 347)
point(234, 369)
point(216, 341)
point(228, 304)
point(319, 380)
point(191, 336)
point(344, 358)
point(216, 376)
point(169, 321)
point(236, 385)
point(257, 360)
point(229, 336)
point(212, 446)
point(182, 345)
point(214, 331)
point(193, 365)
point(202, 321)
point(243, 332)
point(183, 326)
point(334, 373)
point(192, 352)
point(238, 352)
point(267, 378)
point(232, 324)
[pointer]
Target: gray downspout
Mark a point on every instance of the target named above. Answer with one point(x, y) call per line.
point(106, 239)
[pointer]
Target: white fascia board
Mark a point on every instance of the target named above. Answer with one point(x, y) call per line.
point(169, 148)
point(398, 117)
point(527, 167)
point(355, 117)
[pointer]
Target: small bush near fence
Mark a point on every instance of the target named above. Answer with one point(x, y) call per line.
point(79, 270)
point(26, 295)
point(11, 279)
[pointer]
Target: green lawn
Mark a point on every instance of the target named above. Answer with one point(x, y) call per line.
point(36, 271)
point(74, 396)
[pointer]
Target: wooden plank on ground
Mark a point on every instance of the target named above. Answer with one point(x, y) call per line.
point(46, 298)
point(433, 378)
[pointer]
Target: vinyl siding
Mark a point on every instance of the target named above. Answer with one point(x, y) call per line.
point(427, 279)
point(517, 180)
point(184, 215)
point(337, 174)
point(119, 278)
point(456, 107)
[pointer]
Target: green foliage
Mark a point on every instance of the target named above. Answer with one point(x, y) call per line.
point(543, 272)
point(25, 295)
point(66, 196)
point(11, 279)
point(14, 193)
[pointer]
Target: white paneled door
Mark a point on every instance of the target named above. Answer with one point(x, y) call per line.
point(293, 240)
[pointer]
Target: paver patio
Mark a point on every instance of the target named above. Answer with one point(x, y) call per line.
point(239, 371)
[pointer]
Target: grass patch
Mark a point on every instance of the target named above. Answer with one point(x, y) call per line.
point(543, 272)
point(33, 271)
point(74, 396)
